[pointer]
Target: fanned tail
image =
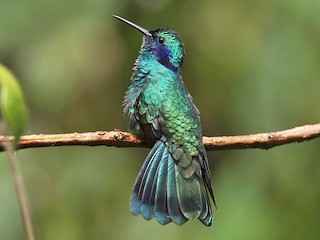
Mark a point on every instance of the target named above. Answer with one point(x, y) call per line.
point(161, 192)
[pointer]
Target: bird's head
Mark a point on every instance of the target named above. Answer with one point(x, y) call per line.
point(162, 44)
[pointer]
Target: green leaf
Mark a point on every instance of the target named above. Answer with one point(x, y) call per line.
point(12, 104)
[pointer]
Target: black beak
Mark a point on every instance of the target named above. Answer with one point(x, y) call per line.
point(141, 29)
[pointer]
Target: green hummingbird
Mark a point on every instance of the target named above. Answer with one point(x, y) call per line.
point(174, 182)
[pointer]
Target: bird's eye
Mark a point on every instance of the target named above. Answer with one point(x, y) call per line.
point(161, 40)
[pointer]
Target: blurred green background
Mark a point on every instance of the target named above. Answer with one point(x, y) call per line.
point(252, 66)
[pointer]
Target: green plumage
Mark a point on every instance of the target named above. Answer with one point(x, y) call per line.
point(174, 182)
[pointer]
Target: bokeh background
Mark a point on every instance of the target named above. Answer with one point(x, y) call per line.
point(252, 66)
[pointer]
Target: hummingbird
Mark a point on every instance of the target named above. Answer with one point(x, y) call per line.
point(174, 183)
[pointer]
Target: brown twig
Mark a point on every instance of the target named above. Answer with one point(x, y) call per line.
point(19, 187)
point(118, 138)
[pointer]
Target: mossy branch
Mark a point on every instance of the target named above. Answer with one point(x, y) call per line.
point(119, 138)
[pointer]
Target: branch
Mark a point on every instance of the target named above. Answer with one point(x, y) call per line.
point(21, 195)
point(118, 138)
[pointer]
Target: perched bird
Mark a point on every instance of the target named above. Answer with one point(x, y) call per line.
point(174, 181)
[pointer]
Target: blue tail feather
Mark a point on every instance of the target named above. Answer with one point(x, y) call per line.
point(189, 195)
point(135, 200)
point(149, 191)
point(161, 192)
point(161, 206)
point(206, 214)
point(173, 202)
